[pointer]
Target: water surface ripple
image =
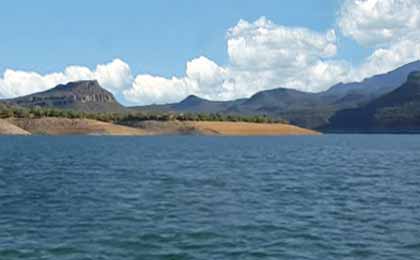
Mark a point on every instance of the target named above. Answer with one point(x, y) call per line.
point(327, 197)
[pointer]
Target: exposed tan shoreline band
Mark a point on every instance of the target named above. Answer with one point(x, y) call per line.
point(64, 126)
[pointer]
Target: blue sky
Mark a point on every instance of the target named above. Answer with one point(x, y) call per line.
point(152, 36)
point(163, 50)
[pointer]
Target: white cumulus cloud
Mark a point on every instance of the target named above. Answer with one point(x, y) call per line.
point(391, 27)
point(262, 55)
point(113, 76)
point(373, 22)
point(386, 59)
point(264, 45)
point(203, 77)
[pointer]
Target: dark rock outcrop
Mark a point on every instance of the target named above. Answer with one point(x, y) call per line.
point(86, 96)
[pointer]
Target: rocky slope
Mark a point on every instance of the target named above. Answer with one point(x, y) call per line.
point(86, 96)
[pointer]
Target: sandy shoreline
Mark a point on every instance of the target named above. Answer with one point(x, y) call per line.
point(8, 128)
point(65, 126)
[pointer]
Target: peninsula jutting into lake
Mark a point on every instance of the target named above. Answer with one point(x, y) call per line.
point(210, 130)
point(386, 103)
point(84, 107)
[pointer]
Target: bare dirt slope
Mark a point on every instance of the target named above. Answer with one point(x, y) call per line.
point(6, 128)
point(250, 129)
point(64, 126)
point(220, 128)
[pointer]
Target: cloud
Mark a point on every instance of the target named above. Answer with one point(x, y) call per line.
point(262, 55)
point(263, 45)
point(391, 27)
point(386, 59)
point(113, 76)
point(376, 22)
point(203, 77)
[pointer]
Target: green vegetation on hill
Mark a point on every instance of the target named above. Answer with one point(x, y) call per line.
point(38, 112)
point(398, 110)
point(376, 102)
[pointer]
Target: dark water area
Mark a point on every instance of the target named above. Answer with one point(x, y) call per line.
point(327, 197)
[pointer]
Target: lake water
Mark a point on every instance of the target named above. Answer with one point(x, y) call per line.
point(327, 197)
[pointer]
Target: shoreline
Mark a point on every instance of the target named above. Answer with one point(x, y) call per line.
point(63, 126)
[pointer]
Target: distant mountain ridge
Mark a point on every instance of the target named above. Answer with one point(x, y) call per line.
point(86, 96)
point(311, 110)
point(398, 110)
point(325, 110)
point(377, 85)
point(194, 104)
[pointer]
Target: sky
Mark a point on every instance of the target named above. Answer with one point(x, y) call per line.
point(161, 51)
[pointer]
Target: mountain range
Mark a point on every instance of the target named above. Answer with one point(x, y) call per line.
point(398, 111)
point(310, 110)
point(386, 101)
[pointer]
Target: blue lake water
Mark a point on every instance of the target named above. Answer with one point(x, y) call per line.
point(327, 197)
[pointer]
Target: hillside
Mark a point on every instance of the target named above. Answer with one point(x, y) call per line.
point(297, 107)
point(375, 86)
point(86, 96)
point(193, 104)
point(65, 126)
point(397, 111)
point(250, 129)
point(309, 110)
point(219, 128)
point(7, 128)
